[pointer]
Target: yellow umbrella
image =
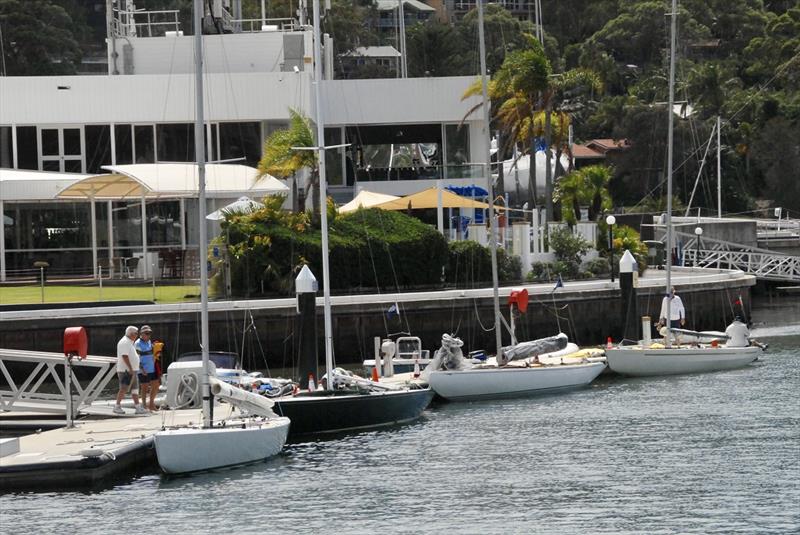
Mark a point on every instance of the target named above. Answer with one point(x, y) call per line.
point(428, 198)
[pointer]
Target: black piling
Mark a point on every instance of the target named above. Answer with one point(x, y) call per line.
point(306, 289)
point(629, 312)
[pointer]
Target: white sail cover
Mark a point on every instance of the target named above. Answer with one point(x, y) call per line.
point(252, 403)
point(524, 350)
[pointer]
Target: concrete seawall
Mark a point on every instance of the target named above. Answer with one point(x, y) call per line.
point(265, 331)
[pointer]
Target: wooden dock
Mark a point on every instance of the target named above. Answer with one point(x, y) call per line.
point(91, 454)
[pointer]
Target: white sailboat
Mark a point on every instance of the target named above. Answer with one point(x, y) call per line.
point(259, 435)
point(668, 360)
point(487, 381)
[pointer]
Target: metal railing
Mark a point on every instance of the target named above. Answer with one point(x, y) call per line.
point(48, 368)
point(255, 25)
point(155, 24)
point(762, 263)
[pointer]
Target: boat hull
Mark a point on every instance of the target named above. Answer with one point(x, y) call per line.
point(325, 412)
point(640, 362)
point(192, 449)
point(508, 382)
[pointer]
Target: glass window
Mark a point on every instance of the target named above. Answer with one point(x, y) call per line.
point(144, 144)
point(457, 156)
point(27, 148)
point(175, 142)
point(50, 142)
point(48, 225)
point(127, 221)
point(163, 223)
point(240, 140)
point(6, 147)
point(72, 142)
point(333, 158)
point(123, 143)
point(98, 147)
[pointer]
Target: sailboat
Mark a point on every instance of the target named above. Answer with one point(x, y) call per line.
point(641, 360)
point(260, 433)
point(504, 379)
point(347, 403)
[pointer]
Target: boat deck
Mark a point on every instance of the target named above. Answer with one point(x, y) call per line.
point(91, 453)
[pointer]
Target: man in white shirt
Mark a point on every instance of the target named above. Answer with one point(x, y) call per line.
point(738, 334)
point(128, 370)
point(677, 314)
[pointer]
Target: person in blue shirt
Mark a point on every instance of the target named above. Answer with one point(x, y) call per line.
point(149, 380)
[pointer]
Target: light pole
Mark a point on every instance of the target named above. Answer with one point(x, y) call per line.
point(610, 220)
point(698, 231)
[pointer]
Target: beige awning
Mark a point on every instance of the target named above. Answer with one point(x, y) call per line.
point(429, 199)
point(366, 199)
point(173, 180)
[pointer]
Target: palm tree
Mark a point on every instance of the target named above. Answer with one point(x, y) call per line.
point(281, 160)
point(524, 86)
point(588, 185)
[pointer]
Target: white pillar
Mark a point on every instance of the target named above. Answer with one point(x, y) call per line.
point(182, 209)
point(93, 216)
point(439, 210)
point(535, 232)
point(145, 269)
point(2, 243)
point(110, 230)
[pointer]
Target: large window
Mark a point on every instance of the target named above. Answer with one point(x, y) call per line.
point(27, 148)
point(6, 147)
point(240, 140)
point(175, 142)
point(457, 151)
point(127, 221)
point(124, 144)
point(163, 223)
point(47, 225)
point(98, 147)
point(145, 145)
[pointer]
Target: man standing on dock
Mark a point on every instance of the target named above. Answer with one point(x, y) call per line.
point(128, 370)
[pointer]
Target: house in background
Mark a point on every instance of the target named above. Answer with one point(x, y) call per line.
point(376, 59)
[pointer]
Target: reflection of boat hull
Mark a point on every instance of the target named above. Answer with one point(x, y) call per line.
point(334, 412)
point(488, 383)
point(191, 449)
point(636, 361)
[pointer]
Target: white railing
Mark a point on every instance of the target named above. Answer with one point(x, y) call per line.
point(35, 391)
point(145, 23)
point(256, 25)
point(762, 263)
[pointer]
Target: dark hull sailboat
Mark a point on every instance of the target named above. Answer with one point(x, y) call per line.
point(328, 412)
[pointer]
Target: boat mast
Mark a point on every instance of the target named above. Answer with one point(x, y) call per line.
point(674, 18)
point(200, 157)
point(323, 199)
point(490, 185)
point(719, 168)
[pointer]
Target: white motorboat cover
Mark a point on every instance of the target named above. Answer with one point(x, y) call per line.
point(247, 401)
point(525, 350)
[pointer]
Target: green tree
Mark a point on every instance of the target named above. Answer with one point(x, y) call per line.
point(435, 49)
point(37, 38)
point(503, 34)
point(585, 186)
point(282, 161)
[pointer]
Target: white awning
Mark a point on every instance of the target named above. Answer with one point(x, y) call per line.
point(366, 199)
point(173, 180)
point(23, 185)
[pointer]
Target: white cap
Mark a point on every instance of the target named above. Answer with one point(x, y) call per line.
point(305, 282)
point(627, 264)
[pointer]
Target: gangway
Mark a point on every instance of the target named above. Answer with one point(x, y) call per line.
point(36, 393)
point(763, 263)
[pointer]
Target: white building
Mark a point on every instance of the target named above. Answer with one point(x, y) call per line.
point(403, 134)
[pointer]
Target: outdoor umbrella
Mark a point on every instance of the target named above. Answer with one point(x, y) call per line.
point(243, 205)
point(366, 199)
point(429, 199)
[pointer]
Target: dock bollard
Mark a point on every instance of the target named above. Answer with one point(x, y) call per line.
point(306, 289)
point(647, 338)
point(628, 282)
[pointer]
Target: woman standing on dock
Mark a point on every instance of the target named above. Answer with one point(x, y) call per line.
point(148, 376)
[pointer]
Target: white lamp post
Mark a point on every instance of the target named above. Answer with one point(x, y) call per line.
point(610, 220)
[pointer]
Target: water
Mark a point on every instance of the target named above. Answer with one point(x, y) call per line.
point(714, 453)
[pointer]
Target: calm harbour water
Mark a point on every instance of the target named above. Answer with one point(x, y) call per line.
point(713, 453)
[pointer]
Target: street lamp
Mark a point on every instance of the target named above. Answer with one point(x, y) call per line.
point(610, 220)
point(698, 231)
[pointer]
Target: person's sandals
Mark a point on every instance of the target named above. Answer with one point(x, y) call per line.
point(141, 410)
point(118, 410)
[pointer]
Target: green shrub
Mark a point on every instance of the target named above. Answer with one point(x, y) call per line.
point(470, 262)
point(568, 247)
point(367, 248)
point(626, 238)
point(596, 267)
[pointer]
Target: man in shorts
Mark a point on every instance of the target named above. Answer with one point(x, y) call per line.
point(128, 370)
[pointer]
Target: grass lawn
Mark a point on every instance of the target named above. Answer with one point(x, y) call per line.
point(60, 293)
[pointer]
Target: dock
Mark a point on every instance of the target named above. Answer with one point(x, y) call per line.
point(90, 454)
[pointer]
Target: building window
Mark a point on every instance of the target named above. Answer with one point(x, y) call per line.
point(27, 148)
point(240, 140)
point(144, 144)
point(175, 142)
point(123, 143)
point(98, 147)
point(127, 223)
point(6, 148)
point(457, 151)
point(164, 223)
